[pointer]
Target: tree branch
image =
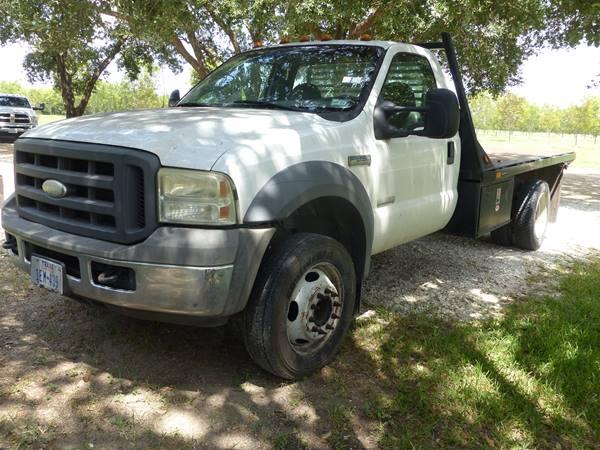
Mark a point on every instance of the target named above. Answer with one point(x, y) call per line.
point(226, 29)
point(196, 65)
point(196, 47)
point(369, 21)
point(98, 71)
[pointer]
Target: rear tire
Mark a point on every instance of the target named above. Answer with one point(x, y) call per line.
point(532, 215)
point(301, 306)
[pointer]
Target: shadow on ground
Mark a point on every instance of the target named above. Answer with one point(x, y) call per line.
point(75, 376)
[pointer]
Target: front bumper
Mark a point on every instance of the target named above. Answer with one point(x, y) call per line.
point(206, 273)
point(15, 130)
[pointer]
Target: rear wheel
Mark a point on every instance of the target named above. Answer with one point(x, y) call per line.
point(301, 306)
point(532, 215)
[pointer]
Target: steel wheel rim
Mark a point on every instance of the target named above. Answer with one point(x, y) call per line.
point(315, 308)
point(541, 217)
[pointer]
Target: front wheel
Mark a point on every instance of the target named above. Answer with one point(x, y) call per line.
point(301, 306)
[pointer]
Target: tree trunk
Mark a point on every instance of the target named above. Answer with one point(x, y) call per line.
point(65, 85)
point(65, 82)
point(198, 66)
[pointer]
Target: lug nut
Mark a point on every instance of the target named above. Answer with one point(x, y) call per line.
point(332, 293)
point(335, 316)
point(336, 304)
point(329, 327)
point(311, 319)
point(312, 306)
point(322, 297)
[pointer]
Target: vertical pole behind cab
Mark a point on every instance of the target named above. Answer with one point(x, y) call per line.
point(473, 157)
point(467, 216)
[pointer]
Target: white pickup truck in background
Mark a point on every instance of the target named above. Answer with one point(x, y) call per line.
point(261, 195)
point(16, 115)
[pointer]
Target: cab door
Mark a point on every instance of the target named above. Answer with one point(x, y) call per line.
point(416, 192)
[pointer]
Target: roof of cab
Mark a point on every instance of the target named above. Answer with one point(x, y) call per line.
point(383, 44)
point(2, 94)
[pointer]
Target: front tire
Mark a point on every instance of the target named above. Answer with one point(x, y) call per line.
point(301, 306)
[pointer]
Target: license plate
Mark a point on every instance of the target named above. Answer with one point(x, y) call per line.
point(47, 274)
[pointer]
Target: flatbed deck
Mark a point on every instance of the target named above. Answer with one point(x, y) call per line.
point(504, 165)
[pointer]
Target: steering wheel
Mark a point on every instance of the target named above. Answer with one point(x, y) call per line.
point(306, 91)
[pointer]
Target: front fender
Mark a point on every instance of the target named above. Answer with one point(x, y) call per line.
point(301, 183)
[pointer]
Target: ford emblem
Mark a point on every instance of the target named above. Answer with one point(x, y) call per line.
point(54, 189)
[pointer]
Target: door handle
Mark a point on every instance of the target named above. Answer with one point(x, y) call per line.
point(451, 153)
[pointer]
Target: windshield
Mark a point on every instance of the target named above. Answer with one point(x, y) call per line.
point(18, 102)
point(315, 78)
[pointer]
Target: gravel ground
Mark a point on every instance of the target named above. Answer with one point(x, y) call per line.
point(467, 279)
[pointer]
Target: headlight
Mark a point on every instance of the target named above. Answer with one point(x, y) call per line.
point(195, 197)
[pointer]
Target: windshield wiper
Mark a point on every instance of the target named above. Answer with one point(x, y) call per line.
point(264, 104)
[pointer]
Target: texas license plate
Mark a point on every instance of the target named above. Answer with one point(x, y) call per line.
point(47, 274)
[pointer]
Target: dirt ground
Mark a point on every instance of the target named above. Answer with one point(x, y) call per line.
point(79, 377)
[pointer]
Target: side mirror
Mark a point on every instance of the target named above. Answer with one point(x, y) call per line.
point(443, 116)
point(441, 113)
point(174, 98)
point(39, 107)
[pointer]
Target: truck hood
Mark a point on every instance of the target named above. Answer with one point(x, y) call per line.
point(16, 110)
point(192, 138)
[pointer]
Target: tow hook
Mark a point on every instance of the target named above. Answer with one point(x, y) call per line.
point(113, 277)
point(10, 244)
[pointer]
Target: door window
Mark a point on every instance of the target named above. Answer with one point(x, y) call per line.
point(408, 80)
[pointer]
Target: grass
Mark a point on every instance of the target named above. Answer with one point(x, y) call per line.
point(531, 379)
point(47, 118)
point(586, 147)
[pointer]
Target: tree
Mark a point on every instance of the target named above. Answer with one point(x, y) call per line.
point(71, 44)
point(590, 110)
point(550, 118)
point(483, 109)
point(511, 113)
point(493, 37)
point(124, 95)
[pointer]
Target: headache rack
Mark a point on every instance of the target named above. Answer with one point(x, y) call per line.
point(485, 187)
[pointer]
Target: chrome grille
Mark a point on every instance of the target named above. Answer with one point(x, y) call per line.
point(14, 118)
point(106, 188)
